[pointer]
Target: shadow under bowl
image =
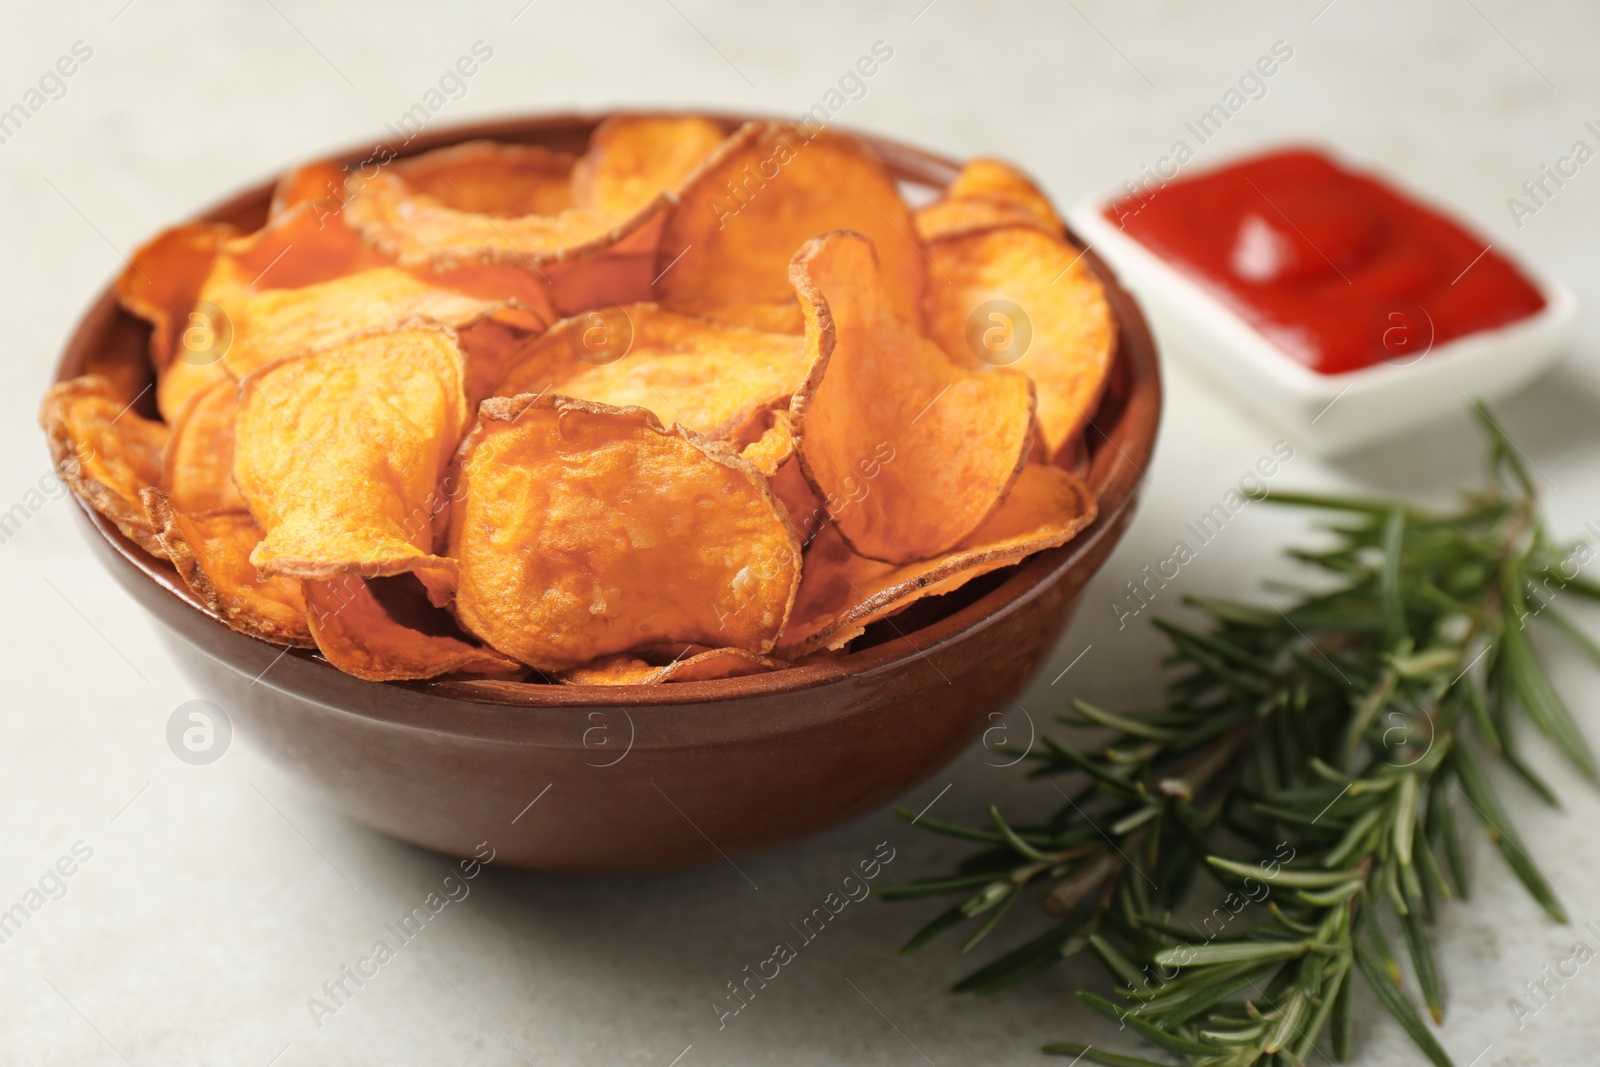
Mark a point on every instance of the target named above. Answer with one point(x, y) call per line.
point(590, 779)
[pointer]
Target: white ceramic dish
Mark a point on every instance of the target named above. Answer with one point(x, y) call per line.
point(1338, 412)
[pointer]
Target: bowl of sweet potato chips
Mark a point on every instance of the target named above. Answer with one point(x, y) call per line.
point(622, 490)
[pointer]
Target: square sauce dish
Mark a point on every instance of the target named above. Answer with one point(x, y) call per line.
point(1335, 306)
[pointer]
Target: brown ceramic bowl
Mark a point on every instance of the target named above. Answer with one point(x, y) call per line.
point(644, 777)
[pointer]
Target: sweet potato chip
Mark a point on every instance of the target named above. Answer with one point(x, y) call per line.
point(105, 453)
point(490, 178)
point(807, 514)
point(426, 225)
point(612, 670)
point(1024, 300)
point(494, 345)
point(308, 279)
point(201, 338)
point(308, 243)
point(842, 593)
point(313, 182)
point(719, 663)
point(909, 452)
point(772, 449)
point(197, 466)
point(585, 531)
point(632, 162)
point(212, 555)
point(699, 445)
point(339, 454)
point(994, 179)
point(947, 218)
point(495, 283)
point(164, 278)
point(421, 234)
point(704, 666)
point(384, 631)
point(709, 377)
point(181, 382)
point(725, 249)
point(281, 322)
point(608, 279)
point(988, 193)
point(633, 158)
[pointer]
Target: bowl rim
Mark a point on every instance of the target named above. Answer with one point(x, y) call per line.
point(1115, 475)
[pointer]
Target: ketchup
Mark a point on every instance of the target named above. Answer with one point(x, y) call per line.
point(1336, 268)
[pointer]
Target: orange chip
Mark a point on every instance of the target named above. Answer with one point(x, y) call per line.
point(608, 279)
point(308, 243)
point(585, 531)
point(212, 555)
point(1021, 299)
point(945, 217)
point(202, 339)
point(612, 670)
point(807, 514)
point(909, 452)
point(842, 593)
point(988, 193)
point(772, 449)
point(312, 182)
point(105, 453)
point(707, 376)
point(280, 322)
point(704, 666)
point(630, 504)
point(998, 180)
point(197, 466)
point(182, 382)
point(633, 158)
point(768, 318)
point(164, 278)
point(417, 226)
point(418, 231)
point(339, 454)
point(493, 345)
point(725, 249)
point(719, 663)
point(384, 631)
point(491, 178)
point(499, 284)
point(323, 286)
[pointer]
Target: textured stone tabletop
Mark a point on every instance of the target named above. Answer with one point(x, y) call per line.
point(207, 905)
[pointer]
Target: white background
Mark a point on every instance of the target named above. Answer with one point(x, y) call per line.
point(219, 900)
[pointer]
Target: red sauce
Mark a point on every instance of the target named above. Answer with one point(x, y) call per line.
point(1336, 268)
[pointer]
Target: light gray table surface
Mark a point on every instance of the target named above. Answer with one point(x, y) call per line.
point(216, 900)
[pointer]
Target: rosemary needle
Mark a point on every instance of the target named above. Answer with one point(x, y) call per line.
point(1314, 763)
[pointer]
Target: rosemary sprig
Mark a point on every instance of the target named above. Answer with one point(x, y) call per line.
point(1313, 760)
